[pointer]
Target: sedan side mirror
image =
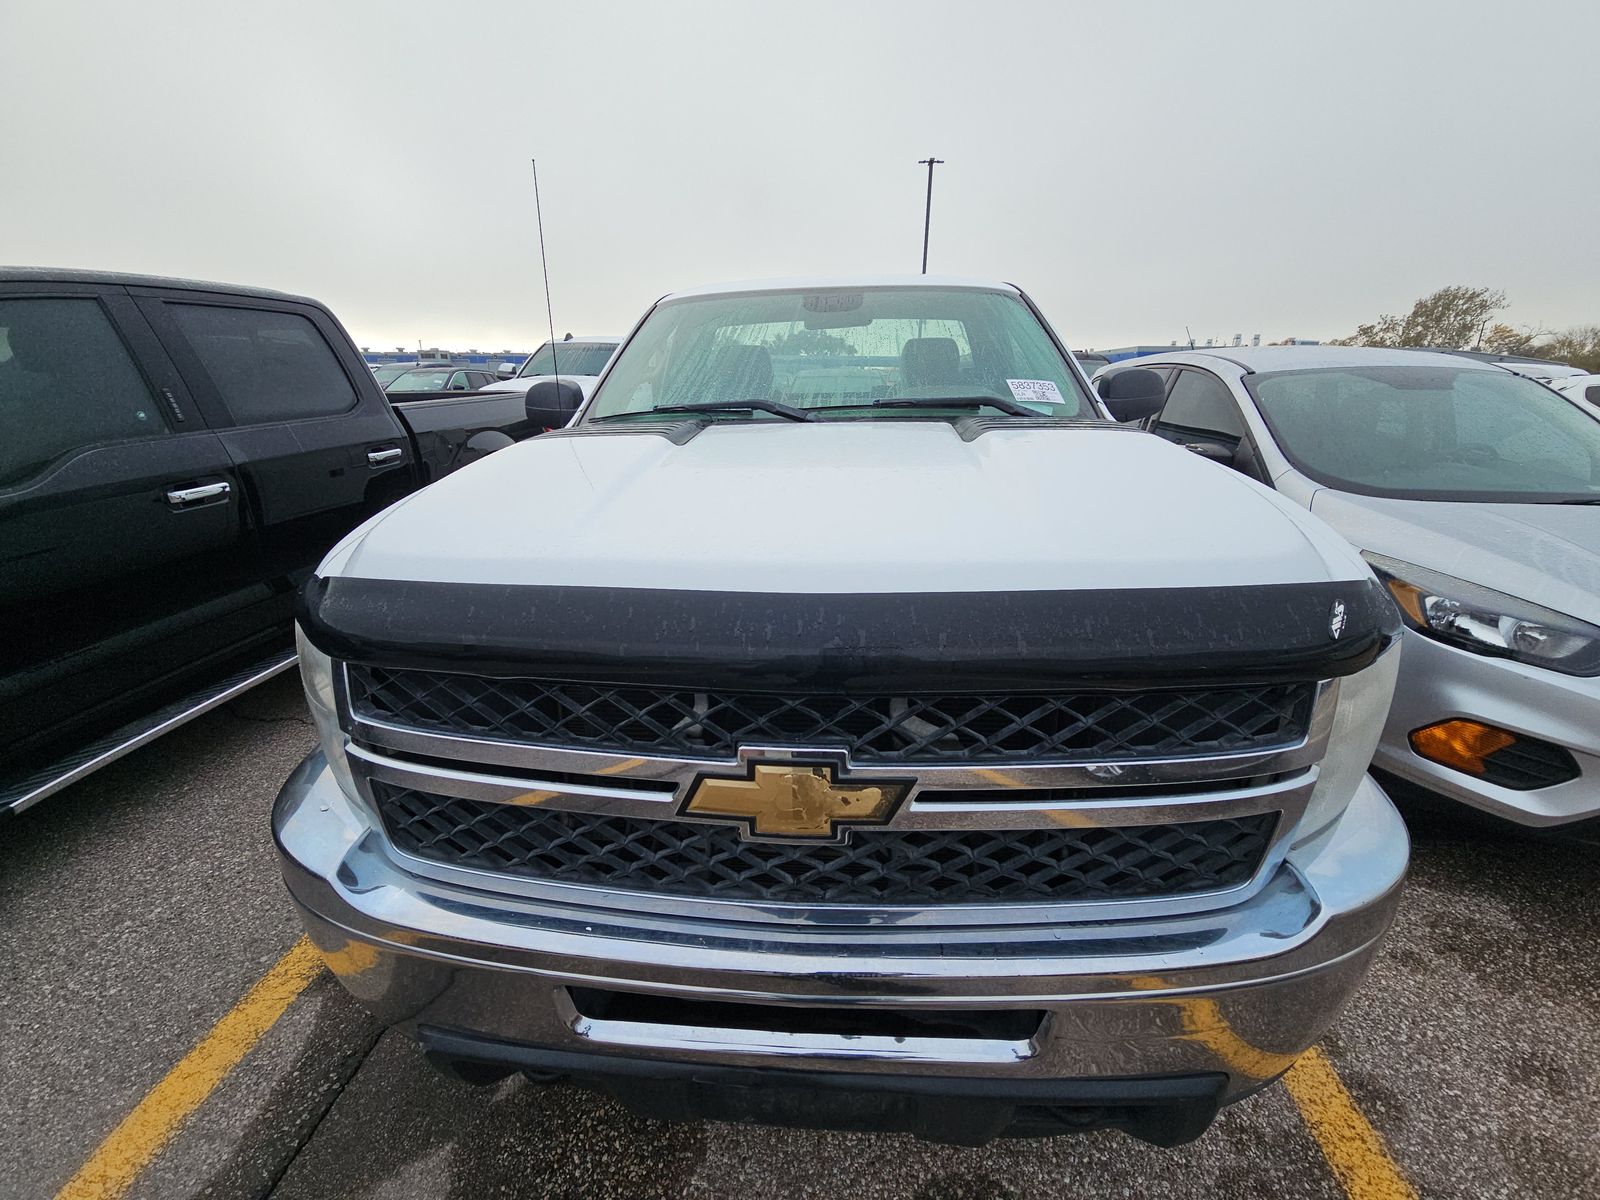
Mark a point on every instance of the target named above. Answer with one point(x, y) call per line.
point(506, 371)
point(551, 403)
point(1131, 395)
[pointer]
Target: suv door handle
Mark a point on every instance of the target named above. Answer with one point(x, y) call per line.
point(377, 458)
point(189, 496)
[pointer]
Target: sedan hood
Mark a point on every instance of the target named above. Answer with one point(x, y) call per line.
point(1546, 553)
point(896, 506)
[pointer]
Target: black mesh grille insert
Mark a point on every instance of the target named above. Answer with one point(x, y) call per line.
point(880, 867)
point(1064, 726)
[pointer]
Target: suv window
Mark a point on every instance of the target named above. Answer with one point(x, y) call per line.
point(582, 358)
point(66, 380)
point(268, 366)
point(1202, 402)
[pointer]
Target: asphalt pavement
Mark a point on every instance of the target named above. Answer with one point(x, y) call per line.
point(138, 907)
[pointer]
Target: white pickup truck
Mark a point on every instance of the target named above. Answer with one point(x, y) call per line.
point(579, 360)
point(844, 724)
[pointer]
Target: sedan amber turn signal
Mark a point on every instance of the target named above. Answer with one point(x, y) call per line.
point(1461, 744)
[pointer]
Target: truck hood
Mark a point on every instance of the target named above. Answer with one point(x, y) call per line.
point(1546, 553)
point(524, 382)
point(899, 506)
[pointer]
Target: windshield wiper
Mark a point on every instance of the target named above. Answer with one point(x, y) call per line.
point(1010, 407)
point(1576, 500)
point(756, 405)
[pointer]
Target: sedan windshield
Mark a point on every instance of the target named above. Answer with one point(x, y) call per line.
point(1432, 433)
point(575, 358)
point(422, 381)
point(838, 353)
point(387, 374)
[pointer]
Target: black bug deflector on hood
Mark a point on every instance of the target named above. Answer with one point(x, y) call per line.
point(856, 642)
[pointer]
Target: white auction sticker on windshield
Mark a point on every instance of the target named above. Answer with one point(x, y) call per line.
point(1036, 391)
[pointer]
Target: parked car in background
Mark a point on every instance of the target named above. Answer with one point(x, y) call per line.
point(387, 373)
point(795, 738)
point(175, 457)
point(440, 379)
point(1090, 361)
point(578, 359)
point(1475, 495)
point(1584, 388)
point(1542, 369)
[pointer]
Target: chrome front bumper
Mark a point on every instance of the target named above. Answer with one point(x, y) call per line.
point(1438, 682)
point(1240, 991)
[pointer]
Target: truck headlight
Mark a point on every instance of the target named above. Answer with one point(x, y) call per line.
point(1358, 719)
point(316, 673)
point(1474, 618)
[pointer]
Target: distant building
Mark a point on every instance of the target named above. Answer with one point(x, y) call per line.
point(1122, 352)
point(464, 358)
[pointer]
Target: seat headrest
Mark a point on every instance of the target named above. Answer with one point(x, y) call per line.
point(930, 360)
point(740, 372)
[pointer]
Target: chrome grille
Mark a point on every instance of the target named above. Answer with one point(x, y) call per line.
point(1079, 725)
point(885, 867)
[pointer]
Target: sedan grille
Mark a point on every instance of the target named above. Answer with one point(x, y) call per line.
point(882, 867)
point(1059, 726)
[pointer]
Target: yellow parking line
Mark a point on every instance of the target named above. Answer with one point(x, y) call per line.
point(1353, 1148)
point(129, 1147)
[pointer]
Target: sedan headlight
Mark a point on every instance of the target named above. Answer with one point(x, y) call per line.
point(1475, 618)
point(316, 673)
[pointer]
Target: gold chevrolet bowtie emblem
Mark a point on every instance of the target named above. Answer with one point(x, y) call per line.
point(794, 800)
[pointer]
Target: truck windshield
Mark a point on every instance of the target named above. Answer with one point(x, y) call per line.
point(573, 358)
point(1432, 433)
point(844, 354)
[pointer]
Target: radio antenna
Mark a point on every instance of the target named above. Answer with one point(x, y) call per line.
point(549, 312)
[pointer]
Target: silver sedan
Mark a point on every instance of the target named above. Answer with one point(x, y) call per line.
point(1475, 496)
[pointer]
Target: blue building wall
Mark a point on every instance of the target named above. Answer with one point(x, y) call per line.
point(1122, 352)
point(463, 358)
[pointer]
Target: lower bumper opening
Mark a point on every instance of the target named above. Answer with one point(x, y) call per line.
point(1000, 1025)
point(958, 1110)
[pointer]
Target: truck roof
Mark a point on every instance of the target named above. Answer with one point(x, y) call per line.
point(123, 279)
point(744, 286)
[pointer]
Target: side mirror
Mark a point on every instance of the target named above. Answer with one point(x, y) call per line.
point(551, 403)
point(1132, 395)
point(506, 371)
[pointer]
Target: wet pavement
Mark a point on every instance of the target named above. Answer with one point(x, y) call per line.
point(140, 905)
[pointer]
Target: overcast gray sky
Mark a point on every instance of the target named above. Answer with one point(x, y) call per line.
point(1281, 168)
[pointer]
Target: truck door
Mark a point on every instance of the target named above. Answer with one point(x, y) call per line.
point(317, 444)
point(120, 517)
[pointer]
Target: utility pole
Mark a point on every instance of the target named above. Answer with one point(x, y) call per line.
point(927, 216)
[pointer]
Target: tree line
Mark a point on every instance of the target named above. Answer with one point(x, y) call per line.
point(1464, 318)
